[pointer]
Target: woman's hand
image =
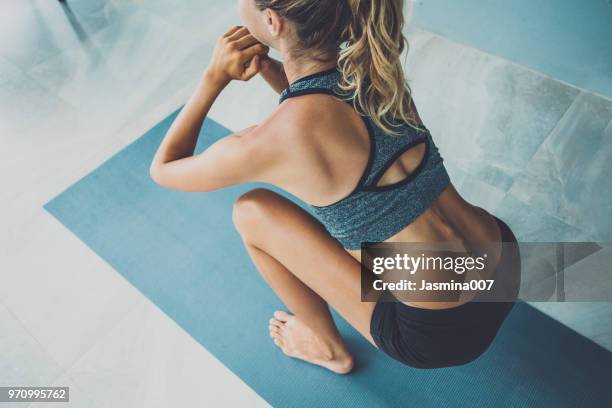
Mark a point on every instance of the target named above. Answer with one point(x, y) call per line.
point(274, 73)
point(237, 55)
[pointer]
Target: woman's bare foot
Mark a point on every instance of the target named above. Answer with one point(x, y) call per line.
point(297, 340)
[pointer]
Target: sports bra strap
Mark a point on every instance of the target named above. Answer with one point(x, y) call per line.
point(325, 82)
point(385, 149)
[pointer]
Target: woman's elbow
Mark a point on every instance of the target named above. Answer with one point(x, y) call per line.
point(156, 172)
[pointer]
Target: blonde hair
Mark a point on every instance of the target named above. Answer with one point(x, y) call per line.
point(367, 39)
point(371, 65)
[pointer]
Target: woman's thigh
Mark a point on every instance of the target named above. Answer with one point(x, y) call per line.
point(293, 237)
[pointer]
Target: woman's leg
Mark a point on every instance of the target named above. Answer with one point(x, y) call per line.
point(308, 270)
point(311, 335)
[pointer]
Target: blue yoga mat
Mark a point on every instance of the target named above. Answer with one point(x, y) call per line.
point(182, 252)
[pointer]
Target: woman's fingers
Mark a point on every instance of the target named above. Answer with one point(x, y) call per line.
point(253, 55)
point(252, 68)
point(245, 41)
point(238, 55)
point(238, 34)
point(232, 31)
point(248, 53)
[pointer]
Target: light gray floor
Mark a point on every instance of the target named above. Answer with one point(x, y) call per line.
point(77, 86)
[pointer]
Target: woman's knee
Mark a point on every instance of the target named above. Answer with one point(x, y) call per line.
point(250, 209)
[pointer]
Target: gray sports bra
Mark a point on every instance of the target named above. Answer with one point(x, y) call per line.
point(372, 213)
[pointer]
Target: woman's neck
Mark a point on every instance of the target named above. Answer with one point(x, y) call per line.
point(296, 68)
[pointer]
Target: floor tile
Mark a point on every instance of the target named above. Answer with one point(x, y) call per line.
point(591, 319)
point(24, 102)
point(65, 295)
point(78, 397)
point(23, 360)
point(203, 19)
point(569, 176)
point(530, 224)
point(31, 31)
point(147, 361)
point(489, 116)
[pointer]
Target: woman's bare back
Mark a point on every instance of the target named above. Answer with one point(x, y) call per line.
point(330, 146)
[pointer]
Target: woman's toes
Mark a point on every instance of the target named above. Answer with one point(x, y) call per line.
point(276, 322)
point(282, 316)
point(273, 329)
point(278, 341)
point(278, 337)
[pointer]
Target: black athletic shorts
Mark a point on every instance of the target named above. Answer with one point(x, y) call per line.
point(428, 338)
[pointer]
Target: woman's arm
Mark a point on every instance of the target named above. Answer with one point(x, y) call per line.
point(274, 74)
point(237, 56)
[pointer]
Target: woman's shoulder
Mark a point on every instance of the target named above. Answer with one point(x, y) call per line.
point(306, 113)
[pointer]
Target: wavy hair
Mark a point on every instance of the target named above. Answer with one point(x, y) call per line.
point(367, 40)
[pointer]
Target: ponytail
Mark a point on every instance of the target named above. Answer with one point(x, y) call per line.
point(366, 35)
point(372, 72)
